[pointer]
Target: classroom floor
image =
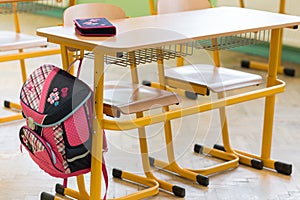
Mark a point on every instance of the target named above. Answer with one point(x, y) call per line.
point(21, 179)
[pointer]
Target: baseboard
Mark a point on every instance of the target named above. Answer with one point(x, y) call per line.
point(289, 53)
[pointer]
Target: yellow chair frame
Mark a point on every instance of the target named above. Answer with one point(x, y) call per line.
point(224, 152)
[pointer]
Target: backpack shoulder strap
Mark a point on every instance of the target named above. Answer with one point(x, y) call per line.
point(105, 177)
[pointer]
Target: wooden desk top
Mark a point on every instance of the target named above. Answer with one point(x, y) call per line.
point(165, 29)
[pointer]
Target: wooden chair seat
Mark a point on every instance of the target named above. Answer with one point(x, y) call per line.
point(10, 40)
point(216, 79)
point(128, 98)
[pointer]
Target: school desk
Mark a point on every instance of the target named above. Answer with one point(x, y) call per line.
point(141, 33)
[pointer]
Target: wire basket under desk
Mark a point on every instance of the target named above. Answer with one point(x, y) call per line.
point(143, 56)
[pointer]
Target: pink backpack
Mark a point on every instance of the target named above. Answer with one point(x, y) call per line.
point(58, 111)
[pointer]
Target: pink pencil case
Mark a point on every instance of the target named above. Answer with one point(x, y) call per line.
point(94, 27)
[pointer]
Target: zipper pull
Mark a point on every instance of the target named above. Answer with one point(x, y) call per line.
point(30, 123)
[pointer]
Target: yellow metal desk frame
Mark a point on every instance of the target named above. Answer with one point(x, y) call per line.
point(191, 25)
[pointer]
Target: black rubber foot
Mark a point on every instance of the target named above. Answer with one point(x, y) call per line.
point(60, 189)
point(283, 168)
point(202, 180)
point(178, 191)
point(191, 95)
point(151, 161)
point(146, 83)
point(117, 173)
point(289, 72)
point(219, 147)
point(46, 196)
point(245, 64)
point(119, 54)
point(198, 148)
point(6, 104)
point(257, 164)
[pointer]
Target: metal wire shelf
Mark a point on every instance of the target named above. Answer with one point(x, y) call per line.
point(229, 42)
point(143, 56)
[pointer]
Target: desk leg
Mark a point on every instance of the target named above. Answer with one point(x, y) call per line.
point(274, 62)
point(96, 166)
point(64, 56)
point(67, 58)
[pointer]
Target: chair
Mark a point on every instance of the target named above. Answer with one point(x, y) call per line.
point(92, 10)
point(125, 99)
point(184, 6)
point(180, 6)
point(202, 79)
point(12, 41)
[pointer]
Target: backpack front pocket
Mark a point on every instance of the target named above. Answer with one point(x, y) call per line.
point(41, 152)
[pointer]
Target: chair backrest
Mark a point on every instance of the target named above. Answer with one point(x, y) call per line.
point(86, 10)
point(169, 6)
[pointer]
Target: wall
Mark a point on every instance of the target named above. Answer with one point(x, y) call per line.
point(132, 8)
point(290, 37)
